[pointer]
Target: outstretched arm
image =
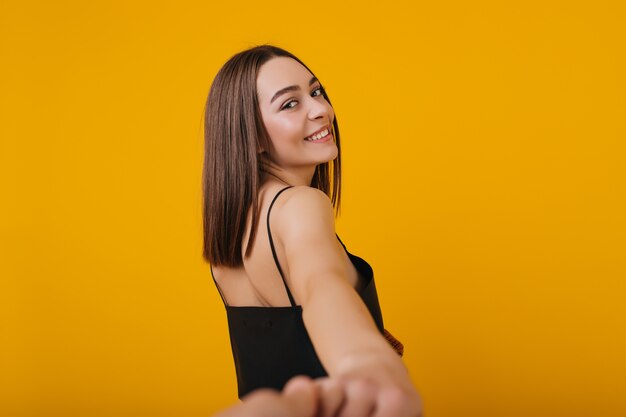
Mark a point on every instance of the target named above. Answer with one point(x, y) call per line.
point(341, 328)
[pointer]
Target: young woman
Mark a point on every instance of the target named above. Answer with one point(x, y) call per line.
point(297, 302)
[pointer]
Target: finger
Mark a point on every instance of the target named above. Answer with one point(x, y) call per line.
point(302, 396)
point(331, 396)
point(360, 399)
point(298, 399)
point(394, 402)
point(259, 403)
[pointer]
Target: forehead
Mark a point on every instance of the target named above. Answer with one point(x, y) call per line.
point(280, 72)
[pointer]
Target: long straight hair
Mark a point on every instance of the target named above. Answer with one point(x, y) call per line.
point(231, 176)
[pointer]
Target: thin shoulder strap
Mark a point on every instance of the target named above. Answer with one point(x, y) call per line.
point(218, 287)
point(269, 233)
point(344, 246)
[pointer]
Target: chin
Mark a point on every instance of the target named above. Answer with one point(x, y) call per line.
point(331, 157)
point(327, 155)
point(332, 153)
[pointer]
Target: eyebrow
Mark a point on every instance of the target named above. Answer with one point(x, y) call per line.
point(290, 88)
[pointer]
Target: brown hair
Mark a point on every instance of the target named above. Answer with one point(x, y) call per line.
point(233, 133)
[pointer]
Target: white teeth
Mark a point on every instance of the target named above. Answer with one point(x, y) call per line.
point(320, 135)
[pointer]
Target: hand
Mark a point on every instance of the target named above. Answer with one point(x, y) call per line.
point(301, 397)
point(374, 387)
point(362, 398)
point(358, 397)
point(328, 397)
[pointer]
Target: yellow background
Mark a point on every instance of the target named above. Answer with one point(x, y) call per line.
point(484, 181)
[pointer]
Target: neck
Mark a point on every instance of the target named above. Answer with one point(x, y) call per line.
point(291, 176)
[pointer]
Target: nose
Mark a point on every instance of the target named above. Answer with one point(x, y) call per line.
point(319, 108)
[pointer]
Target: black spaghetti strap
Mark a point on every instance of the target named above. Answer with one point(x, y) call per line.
point(344, 246)
point(269, 233)
point(218, 287)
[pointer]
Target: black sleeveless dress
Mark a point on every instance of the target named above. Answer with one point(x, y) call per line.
point(271, 345)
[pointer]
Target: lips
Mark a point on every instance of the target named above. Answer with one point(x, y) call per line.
point(317, 131)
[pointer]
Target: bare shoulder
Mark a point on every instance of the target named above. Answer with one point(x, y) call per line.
point(305, 226)
point(304, 210)
point(301, 195)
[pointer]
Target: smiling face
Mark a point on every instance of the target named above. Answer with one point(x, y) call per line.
point(293, 108)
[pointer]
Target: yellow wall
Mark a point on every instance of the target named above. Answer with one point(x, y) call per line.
point(484, 181)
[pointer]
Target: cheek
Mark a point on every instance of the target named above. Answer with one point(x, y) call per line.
point(331, 112)
point(283, 129)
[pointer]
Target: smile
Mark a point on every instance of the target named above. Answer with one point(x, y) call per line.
point(324, 134)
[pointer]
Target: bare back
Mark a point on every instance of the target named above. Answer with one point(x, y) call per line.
point(258, 281)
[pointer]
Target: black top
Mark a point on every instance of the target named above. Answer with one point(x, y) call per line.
point(271, 345)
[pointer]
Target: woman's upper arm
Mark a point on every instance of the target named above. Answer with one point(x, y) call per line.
point(343, 332)
point(335, 316)
point(306, 228)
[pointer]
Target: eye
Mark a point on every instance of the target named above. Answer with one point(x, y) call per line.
point(288, 104)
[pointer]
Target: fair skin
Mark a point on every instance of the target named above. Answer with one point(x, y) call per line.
point(319, 273)
point(301, 397)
